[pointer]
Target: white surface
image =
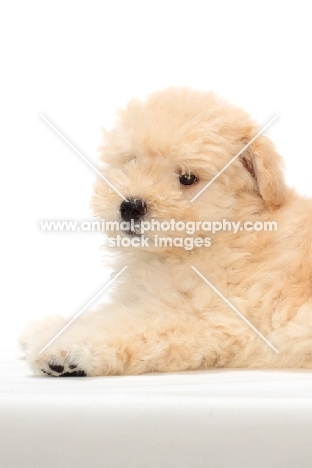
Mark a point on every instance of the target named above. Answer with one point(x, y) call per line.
point(218, 418)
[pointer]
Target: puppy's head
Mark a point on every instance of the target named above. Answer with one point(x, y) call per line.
point(164, 151)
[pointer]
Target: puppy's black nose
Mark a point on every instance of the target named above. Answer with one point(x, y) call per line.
point(132, 208)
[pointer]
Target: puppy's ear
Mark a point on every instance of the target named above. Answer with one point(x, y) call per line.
point(265, 165)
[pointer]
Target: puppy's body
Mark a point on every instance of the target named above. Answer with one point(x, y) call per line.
point(162, 315)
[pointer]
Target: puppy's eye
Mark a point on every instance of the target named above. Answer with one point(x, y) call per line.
point(187, 179)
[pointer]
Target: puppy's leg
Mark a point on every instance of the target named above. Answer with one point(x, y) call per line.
point(59, 359)
point(106, 342)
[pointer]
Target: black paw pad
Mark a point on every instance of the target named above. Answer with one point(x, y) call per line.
point(79, 373)
point(56, 368)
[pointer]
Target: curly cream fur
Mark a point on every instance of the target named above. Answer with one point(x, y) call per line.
point(162, 316)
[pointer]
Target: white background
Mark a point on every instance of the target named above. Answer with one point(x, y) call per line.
point(76, 62)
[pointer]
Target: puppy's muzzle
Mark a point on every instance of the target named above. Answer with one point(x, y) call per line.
point(132, 209)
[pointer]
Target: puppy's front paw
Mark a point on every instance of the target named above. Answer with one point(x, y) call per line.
point(67, 356)
point(75, 363)
point(80, 350)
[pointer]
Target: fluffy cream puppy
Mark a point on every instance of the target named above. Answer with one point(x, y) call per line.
point(162, 315)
